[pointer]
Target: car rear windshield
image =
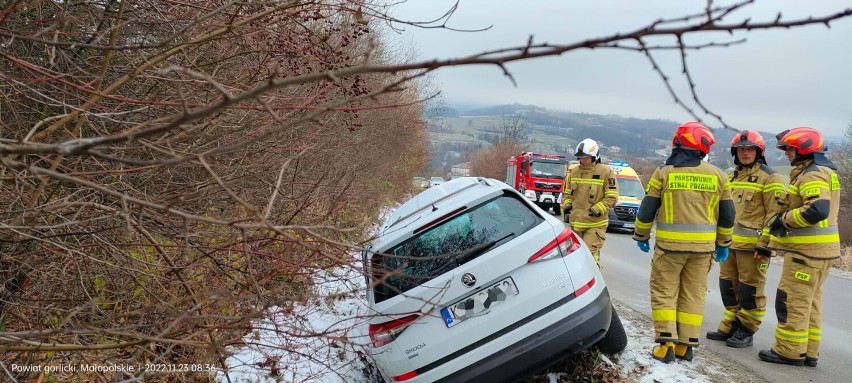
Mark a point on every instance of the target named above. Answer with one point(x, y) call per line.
point(450, 243)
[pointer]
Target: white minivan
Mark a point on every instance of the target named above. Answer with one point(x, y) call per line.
point(471, 282)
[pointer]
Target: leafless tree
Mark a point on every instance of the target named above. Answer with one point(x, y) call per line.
point(490, 161)
point(513, 128)
point(840, 155)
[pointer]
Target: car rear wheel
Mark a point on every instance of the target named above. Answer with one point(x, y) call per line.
point(615, 339)
point(557, 210)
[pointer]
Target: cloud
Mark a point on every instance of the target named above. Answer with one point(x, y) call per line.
point(776, 80)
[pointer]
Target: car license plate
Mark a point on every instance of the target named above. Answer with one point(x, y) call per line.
point(629, 225)
point(479, 303)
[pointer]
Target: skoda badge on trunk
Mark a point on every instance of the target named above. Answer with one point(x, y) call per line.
point(468, 279)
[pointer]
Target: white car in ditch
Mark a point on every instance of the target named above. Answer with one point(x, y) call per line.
point(469, 281)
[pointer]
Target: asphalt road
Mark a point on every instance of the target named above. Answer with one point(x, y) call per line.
point(627, 271)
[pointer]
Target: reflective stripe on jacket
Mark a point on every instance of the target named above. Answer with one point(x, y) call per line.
point(691, 206)
point(590, 186)
point(813, 204)
point(754, 190)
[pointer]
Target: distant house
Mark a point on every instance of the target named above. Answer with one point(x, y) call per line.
point(462, 169)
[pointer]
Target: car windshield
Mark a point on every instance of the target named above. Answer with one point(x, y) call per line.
point(549, 170)
point(630, 187)
point(449, 244)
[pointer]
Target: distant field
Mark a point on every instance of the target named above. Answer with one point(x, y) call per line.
point(467, 129)
point(472, 125)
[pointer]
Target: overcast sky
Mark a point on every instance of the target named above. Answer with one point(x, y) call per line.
point(776, 80)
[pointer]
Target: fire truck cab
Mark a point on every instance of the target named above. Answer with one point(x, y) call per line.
point(539, 177)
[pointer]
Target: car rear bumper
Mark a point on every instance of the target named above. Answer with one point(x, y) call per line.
point(560, 340)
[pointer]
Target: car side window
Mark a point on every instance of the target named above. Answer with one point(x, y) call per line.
point(435, 251)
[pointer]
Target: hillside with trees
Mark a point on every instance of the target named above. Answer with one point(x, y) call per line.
point(460, 134)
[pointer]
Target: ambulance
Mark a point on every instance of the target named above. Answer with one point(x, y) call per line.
point(630, 194)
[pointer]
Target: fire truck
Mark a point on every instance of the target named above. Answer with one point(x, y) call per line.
point(539, 177)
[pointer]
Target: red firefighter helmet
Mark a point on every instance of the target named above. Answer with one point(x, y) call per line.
point(693, 135)
point(806, 140)
point(748, 138)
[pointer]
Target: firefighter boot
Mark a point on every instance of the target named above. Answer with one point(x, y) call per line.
point(810, 362)
point(665, 352)
point(772, 357)
point(741, 338)
point(684, 352)
point(721, 335)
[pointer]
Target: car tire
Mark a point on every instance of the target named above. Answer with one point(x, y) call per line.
point(615, 339)
point(557, 210)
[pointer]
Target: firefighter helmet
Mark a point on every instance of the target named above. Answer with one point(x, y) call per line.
point(748, 138)
point(587, 148)
point(693, 135)
point(806, 140)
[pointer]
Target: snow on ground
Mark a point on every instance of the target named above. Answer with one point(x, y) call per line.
point(310, 343)
point(638, 365)
point(636, 360)
point(325, 340)
point(290, 337)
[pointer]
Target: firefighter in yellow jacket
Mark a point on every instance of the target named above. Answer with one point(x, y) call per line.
point(806, 230)
point(742, 278)
point(690, 202)
point(591, 190)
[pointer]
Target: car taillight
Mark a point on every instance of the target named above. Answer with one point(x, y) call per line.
point(405, 376)
point(384, 333)
point(564, 244)
point(584, 288)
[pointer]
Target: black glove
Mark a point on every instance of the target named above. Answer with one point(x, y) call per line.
point(776, 227)
point(594, 212)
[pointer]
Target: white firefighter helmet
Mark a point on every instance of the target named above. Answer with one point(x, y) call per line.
point(587, 148)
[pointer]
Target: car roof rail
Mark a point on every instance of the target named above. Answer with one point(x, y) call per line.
point(432, 203)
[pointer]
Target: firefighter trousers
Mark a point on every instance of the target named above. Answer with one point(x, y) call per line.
point(742, 282)
point(678, 290)
point(594, 238)
point(798, 305)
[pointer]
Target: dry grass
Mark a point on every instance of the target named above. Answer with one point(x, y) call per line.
point(587, 367)
point(845, 261)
